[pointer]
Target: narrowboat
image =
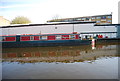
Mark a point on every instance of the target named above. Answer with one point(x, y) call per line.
point(63, 39)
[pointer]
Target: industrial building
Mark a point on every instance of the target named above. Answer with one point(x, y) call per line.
point(84, 28)
point(99, 19)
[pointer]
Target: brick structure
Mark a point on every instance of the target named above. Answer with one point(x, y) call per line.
point(4, 22)
point(99, 19)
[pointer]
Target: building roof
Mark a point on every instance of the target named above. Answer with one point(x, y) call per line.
point(28, 25)
point(107, 25)
point(63, 23)
point(96, 32)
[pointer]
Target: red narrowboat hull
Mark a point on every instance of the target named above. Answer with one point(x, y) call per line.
point(43, 40)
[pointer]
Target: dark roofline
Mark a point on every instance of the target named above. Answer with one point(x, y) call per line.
point(45, 24)
point(107, 25)
point(101, 15)
point(97, 32)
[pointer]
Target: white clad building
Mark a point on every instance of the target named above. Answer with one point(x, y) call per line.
point(80, 27)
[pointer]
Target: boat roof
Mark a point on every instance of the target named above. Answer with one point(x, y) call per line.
point(46, 34)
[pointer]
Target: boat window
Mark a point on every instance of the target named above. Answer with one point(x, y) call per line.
point(43, 37)
point(64, 37)
point(51, 37)
point(8, 38)
point(36, 37)
point(72, 36)
point(25, 38)
point(3, 39)
point(58, 37)
point(32, 38)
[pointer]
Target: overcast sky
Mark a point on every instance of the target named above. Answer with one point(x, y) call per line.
point(39, 11)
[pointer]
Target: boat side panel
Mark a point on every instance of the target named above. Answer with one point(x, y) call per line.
point(45, 43)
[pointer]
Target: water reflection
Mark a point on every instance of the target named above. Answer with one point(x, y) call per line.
point(67, 62)
point(65, 54)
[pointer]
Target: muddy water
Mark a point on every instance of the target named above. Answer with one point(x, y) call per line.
point(66, 62)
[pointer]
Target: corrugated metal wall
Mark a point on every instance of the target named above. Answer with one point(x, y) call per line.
point(118, 31)
point(63, 28)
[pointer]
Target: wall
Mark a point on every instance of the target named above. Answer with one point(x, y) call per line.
point(38, 29)
point(63, 28)
point(118, 31)
point(118, 27)
point(92, 28)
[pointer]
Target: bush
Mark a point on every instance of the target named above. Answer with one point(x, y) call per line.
point(20, 20)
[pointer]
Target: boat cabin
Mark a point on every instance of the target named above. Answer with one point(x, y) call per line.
point(40, 37)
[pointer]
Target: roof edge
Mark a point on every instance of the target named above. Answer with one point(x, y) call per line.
point(45, 24)
point(107, 25)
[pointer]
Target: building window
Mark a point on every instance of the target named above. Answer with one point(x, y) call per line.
point(103, 20)
point(78, 18)
point(93, 17)
point(98, 17)
point(83, 18)
point(70, 20)
point(98, 21)
point(87, 18)
point(65, 20)
point(108, 20)
point(103, 17)
point(109, 17)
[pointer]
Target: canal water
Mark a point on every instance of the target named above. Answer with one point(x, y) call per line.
point(62, 62)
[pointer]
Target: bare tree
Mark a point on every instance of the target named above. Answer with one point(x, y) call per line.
point(56, 18)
